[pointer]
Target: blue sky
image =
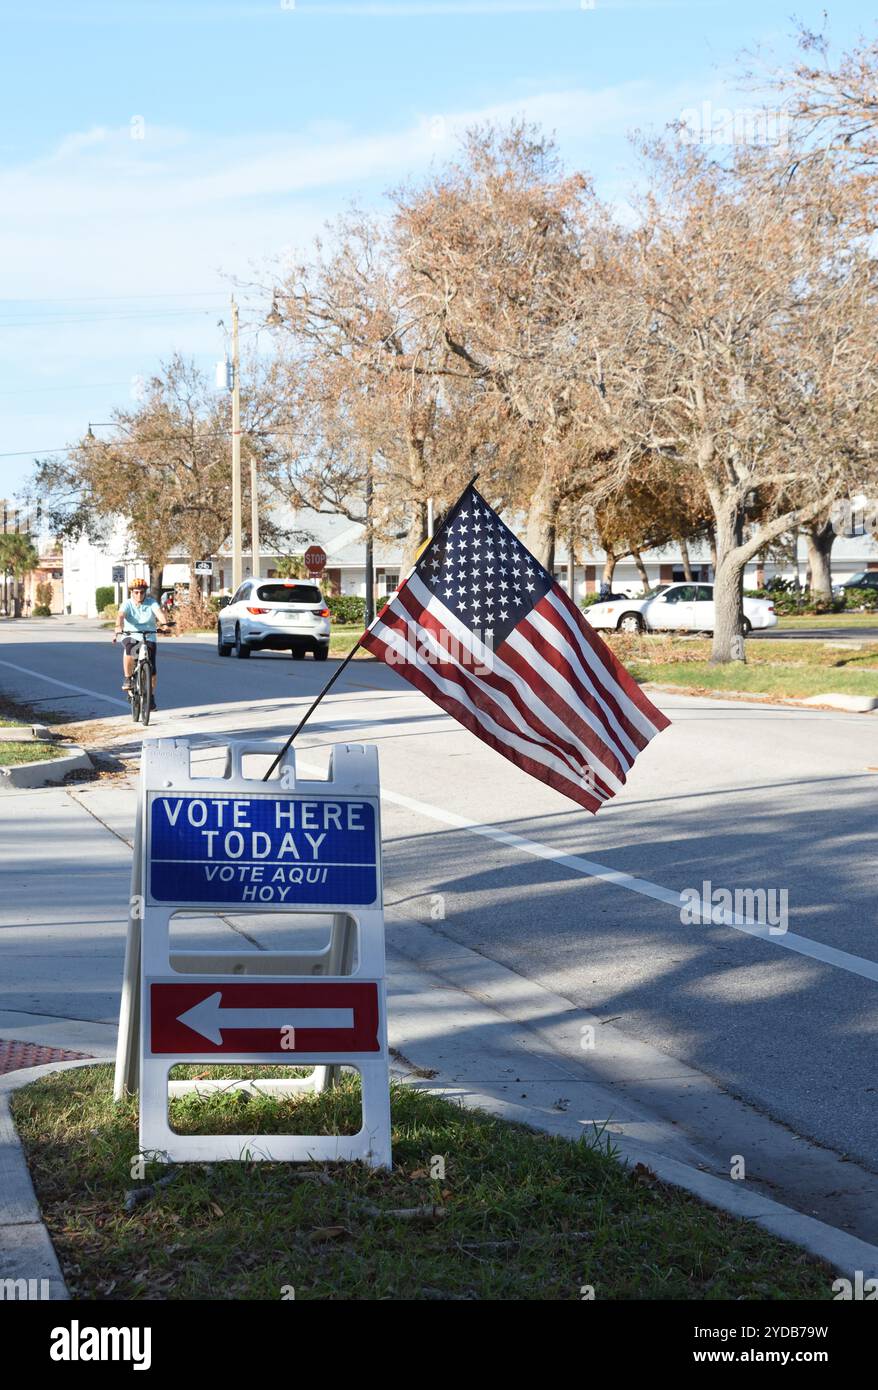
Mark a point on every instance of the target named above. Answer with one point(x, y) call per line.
point(148, 151)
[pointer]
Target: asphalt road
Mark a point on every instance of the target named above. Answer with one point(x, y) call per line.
point(741, 797)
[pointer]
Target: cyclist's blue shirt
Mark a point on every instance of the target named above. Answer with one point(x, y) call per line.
point(140, 617)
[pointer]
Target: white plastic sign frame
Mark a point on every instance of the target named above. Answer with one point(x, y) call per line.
point(241, 1006)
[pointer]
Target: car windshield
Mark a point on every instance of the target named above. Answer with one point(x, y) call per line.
point(289, 593)
point(659, 589)
point(859, 580)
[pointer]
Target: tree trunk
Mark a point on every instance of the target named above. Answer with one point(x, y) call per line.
point(156, 576)
point(711, 538)
point(417, 534)
point(728, 588)
point(760, 571)
point(820, 538)
point(641, 568)
point(684, 556)
point(540, 537)
point(609, 570)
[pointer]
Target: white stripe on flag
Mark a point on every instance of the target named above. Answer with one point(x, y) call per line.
point(489, 658)
point(604, 674)
point(536, 751)
point(581, 759)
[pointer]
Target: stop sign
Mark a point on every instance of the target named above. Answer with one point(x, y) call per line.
point(315, 559)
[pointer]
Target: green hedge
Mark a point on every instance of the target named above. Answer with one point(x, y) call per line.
point(347, 608)
point(788, 600)
point(104, 595)
point(42, 610)
point(861, 598)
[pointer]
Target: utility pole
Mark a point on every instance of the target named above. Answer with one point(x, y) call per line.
point(5, 589)
point(370, 568)
point(237, 564)
point(254, 518)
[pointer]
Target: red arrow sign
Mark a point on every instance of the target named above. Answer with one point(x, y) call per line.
point(204, 1017)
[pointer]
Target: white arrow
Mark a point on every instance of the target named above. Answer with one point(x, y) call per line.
point(209, 1018)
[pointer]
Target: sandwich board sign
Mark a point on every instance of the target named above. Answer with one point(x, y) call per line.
point(236, 844)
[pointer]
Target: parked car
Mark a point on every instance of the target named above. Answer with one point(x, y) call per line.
point(674, 607)
point(277, 614)
point(866, 579)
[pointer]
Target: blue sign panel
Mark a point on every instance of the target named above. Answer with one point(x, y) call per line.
point(280, 851)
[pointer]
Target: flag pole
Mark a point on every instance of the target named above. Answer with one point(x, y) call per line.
point(350, 656)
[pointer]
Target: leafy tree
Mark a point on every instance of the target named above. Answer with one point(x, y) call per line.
point(18, 557)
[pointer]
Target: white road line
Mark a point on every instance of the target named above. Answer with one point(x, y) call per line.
point(65, 685)
point(842, 960)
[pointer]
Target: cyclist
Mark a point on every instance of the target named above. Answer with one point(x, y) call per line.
point(139, 614)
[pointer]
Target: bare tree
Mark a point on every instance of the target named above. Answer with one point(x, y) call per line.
point(759, 326)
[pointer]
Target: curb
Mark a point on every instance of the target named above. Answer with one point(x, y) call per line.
point(516, 1001)
point(844, 1252)
point(26, 1249)
point(47, 772)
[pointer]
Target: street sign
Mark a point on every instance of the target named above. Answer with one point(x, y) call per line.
point(305, 848)
point(118, 574)
point(315, 559)
point(286, 850)
point(259, 1017)
point(204, 566)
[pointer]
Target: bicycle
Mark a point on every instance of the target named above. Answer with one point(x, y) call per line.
point(140, 690)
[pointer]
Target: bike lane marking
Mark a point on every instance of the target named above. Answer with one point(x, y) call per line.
point(65, 685)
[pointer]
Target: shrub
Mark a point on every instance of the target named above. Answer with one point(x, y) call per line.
point(104, 595)
point(44, 595)
point(109, 610)
point(194, 615)
point(42, 610)
point(347, 608)
point(861, 598)
point(589, 599)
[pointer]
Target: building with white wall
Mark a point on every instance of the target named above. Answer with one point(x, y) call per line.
point(86, 566)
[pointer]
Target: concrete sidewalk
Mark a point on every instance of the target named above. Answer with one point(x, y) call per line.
point(458, 1022)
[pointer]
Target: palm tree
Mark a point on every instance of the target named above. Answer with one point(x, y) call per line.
point(17, 557)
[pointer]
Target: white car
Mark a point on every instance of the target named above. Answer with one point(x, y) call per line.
point(674, 607)
point(278, 614)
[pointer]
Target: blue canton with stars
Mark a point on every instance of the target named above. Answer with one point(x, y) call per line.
point(480, 570)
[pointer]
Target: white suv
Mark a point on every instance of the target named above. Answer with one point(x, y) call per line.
point(280, 614)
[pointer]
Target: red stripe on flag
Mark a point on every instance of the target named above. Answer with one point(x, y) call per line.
point(609, 659)
point(419, 678)
point(489, 681)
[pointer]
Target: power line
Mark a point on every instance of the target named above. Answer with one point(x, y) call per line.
point(82, 386)
point(98, 298)
point(48, 321)
point(146, 439)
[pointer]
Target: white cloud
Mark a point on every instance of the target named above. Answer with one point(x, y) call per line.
point(104, 214)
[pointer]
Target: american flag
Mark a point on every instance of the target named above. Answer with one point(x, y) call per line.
point(482, 629)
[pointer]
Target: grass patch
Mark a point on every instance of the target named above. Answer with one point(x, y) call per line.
point(16, 712)
point(526, 1216)
point(14, 754)
point(829, 620)
point(786, 670)
point(343, 636)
